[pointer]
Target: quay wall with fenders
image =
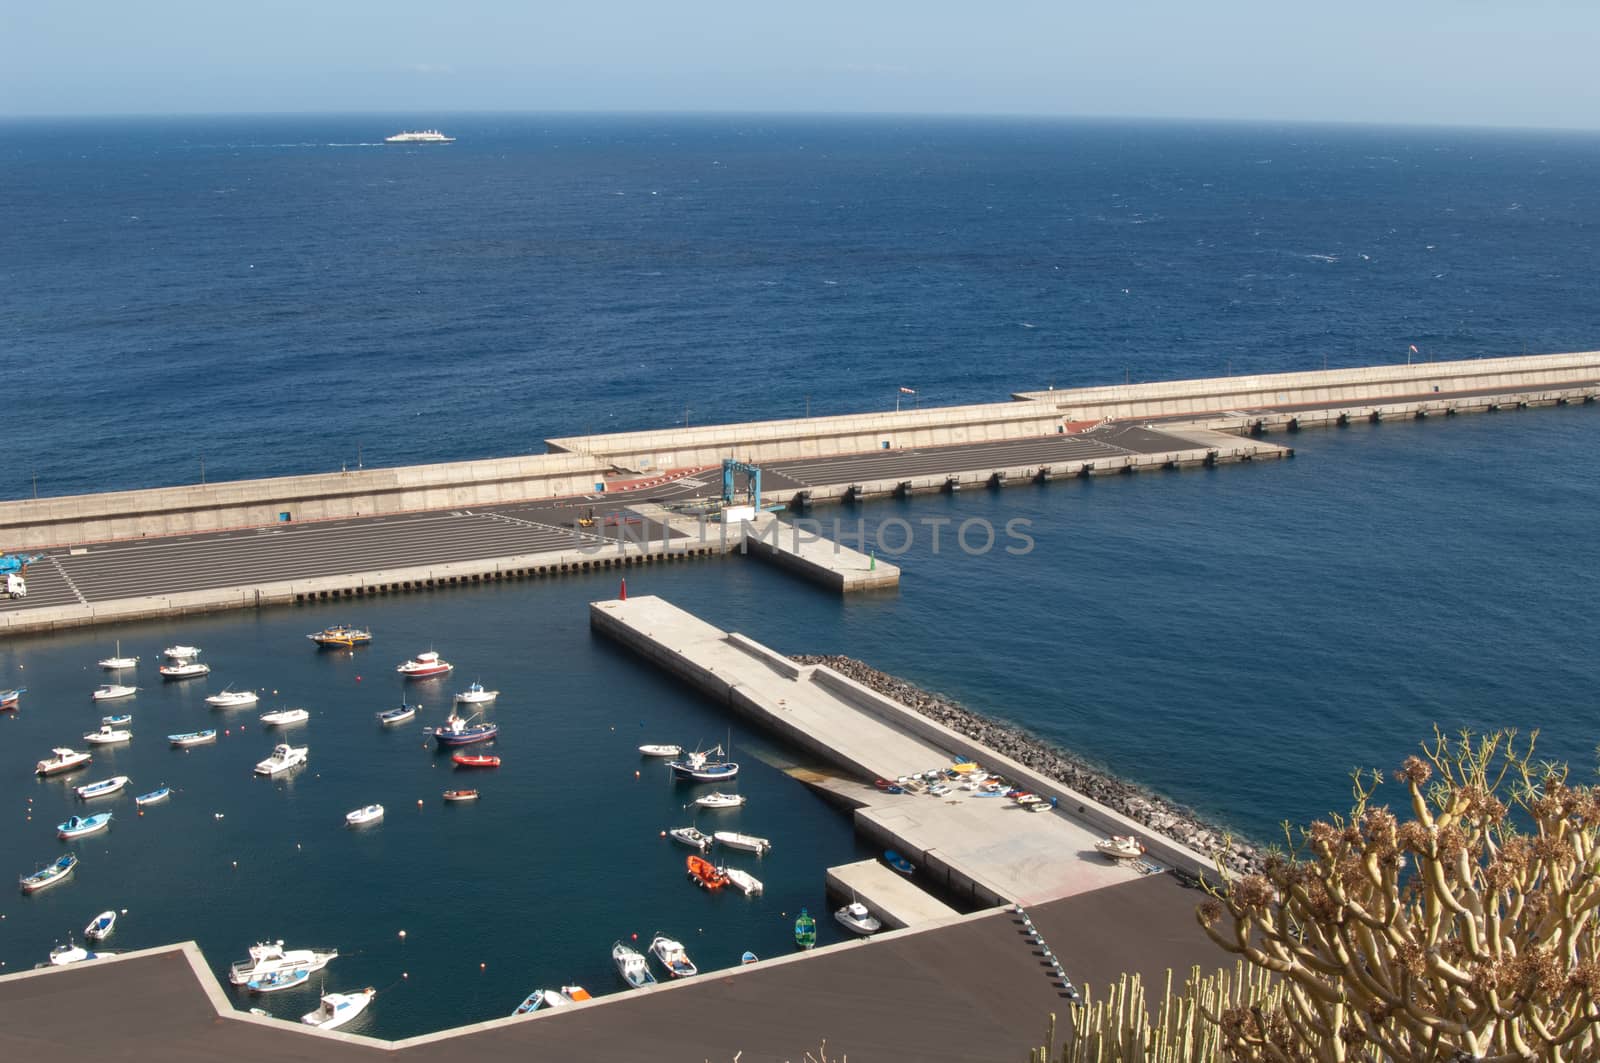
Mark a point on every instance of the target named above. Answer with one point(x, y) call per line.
point(35, 523)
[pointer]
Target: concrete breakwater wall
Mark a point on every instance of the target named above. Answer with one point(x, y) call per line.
point(1150, 810)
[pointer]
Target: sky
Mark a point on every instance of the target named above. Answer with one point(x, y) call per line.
point(1431, 62)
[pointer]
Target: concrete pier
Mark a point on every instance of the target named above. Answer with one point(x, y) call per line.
point(888, 895)
point(819, 560)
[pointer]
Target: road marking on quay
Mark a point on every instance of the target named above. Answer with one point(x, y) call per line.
point(56, 562)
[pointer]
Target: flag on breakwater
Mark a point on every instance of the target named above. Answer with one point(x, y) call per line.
point(908, 391)
point(1414, 349)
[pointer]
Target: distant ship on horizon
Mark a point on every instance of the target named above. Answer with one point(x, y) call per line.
point(420, 136)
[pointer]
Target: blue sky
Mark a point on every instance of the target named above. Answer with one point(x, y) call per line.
point(1472, 62)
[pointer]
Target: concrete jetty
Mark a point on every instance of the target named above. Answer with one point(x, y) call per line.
point(832, 564)
point(888, 895)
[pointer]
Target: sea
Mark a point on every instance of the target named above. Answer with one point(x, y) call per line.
point(232, 297)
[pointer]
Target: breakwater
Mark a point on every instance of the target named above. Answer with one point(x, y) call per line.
point(1158, 814)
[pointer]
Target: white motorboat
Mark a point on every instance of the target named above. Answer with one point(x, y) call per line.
point(719, 800)
point(661, 751)
point(100, 926)
point(284, 757)
point(632, 965)
point(113, 691)
point(476, 695)
point(690, 836)
point(338, 1009)
point(369, 814)
point(107, 736)
point(672, 956)
point(270, 957)
point(180, 652)
point(63, 760)
point(117, 660)
point(541, 1000)
point(419, 136)
point(748, 842)
point(184, 670)
point(102, 788)
point(232, 699)
point(62, 955)
point(854, 916)
point(746, 882)
point(1120, 847)
point(285, 717)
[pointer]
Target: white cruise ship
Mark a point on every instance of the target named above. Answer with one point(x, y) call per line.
point(420, 136)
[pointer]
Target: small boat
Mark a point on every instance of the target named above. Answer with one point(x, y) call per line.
point(691, 837)
point(112, 691)
point(103, 788)
point(700, 766)
point(117, 660)
point(338, 1009)
point(541, 999)
point(720, 800)
point(425, 666)
point(673, 956)
point(107, 736)
point(888, 787)
point(476, 695)
point(269, 957)
point(1120, 847)
point(399, 714)
point(461, 795)
point(705, 874)
point(273, 981)
point(747, 883)
point(63, 955)
point(898, 862)
point(100, 926)
point(64, 760)
point(153, 797)
point(180, 653)
point(854, 916)
point(369, 814)
point(631, 966)
point(285, 717)
point(748, 958)
point(184, 670)
point(9, 698)
point(748, 842)
point(78, 826)
point(194, 738)
point(121, 720)
point(343, 636)
point(48, 875)
point(661, 751)
point(283, 758)
point(459, 732)
point(805, 930)
point(575, 993)
point(232, 699)
point(476, 760)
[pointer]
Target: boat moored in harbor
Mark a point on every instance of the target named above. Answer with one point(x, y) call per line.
point(855, 917)
point(103, 788)
point(120, 720)
point(49, 875)
point(691, 837)
point(273, 981)
point(232, 699)
point(805, 930)
point(748, 842)
point(10, 698)
point(285, 717)
point(399, 714)
point(343, 636)
point(461, 795)
point(78, 826)
point(898, 862)
point(476, 760)
point(184, 670)
point(112, 691)
point(719, 800)
point(284, 757)
point(661, 751)
point(153, 797)
point(476, 695)
point(632, 966)
point(117, 661)
point(108, 736)
point(63, 955)
point(459, 732)
point(63, 760)
point(419, 136)
point(708, 766)
point(337, 1009)
point(369, 814)
point(194, 738)
point(100, 926)
point(425, 666)
point(705, 874)
point(540, 1000)
point(673, 956)
point(747, 883)
point(180, 652)
point(270, 956)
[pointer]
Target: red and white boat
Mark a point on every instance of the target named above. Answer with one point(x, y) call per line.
point(476, 760)
point(425, 666)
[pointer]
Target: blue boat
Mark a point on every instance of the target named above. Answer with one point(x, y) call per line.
point(153, 796)
point(281, 979)
point(701, 767)
point(459, 732)
point(117, 721)
point(9, 698)
point(898, 862)
point(78, 826)
point(48, 875)
point(748, 958)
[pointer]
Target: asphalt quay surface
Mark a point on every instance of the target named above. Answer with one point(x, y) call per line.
point(933, 461)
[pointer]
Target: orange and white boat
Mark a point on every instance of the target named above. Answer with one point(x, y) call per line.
point(705, 874)
point(476, 760)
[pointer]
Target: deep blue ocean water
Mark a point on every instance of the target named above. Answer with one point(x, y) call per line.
point(271, 293)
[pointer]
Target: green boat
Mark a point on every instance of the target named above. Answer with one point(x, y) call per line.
point(805, 930)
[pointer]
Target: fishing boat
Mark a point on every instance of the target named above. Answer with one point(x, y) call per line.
point(285, 717)
point(708, 766)
point(100, 926)
point(719, 800)
point(194, 738)
point(64, 760)
point(112, 691)
point(1120, 847)
point(748, 842)
point(103, 788)
point(232, 699)
point(855, 917)
point(461, 795)
point(476, 760)
point(898, 862)
point(117, 660)
point(273, 981)
point(63, 955)
point(338, 1008)
point(476, 695)
point(78, 826)
point(48, 875)
point(459, 732)
point(399, 714)
point(673, 956)
point(184, 670)
point(343, 636)
point(705, 874)
point(425, 666)
point(284, 757)
point(180, 652)
point(119, 720)
point(540, 1000)
point(691, 837)
point(747, 883)
point(153, 797)
point(805, 930)
point(369, 814)
point(107, 736)
point(661, 751)
point(631, 965)
point(575, 993)
point(748, 958)
point(9, 698)
point(270, 956)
